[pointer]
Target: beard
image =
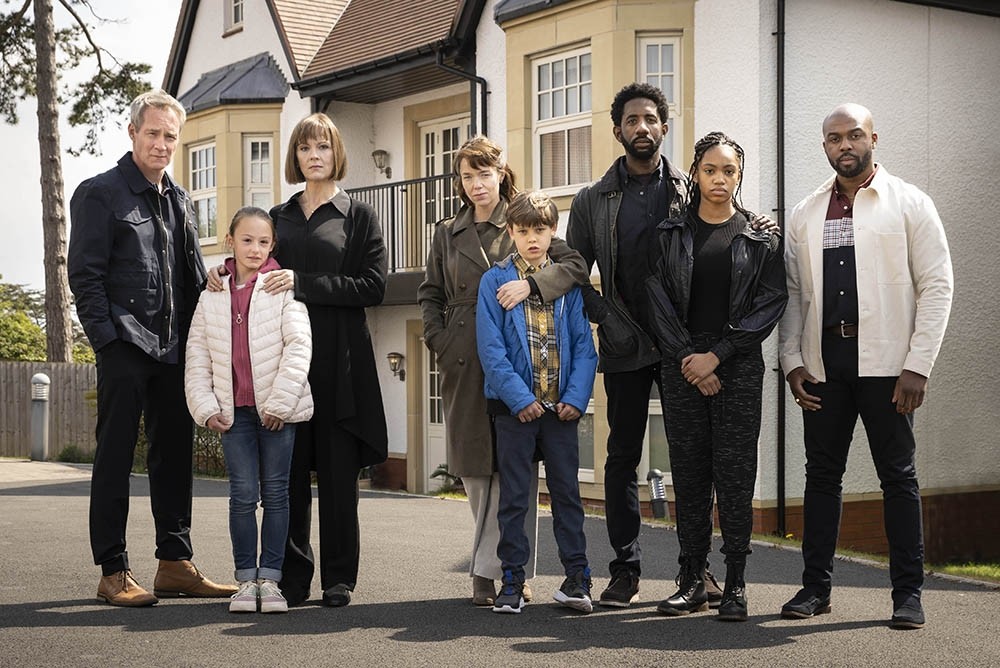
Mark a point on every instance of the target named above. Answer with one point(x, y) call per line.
point(861, 164)
point(644, 153)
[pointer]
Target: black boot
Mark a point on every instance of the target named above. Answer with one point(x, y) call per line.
point(734, 598)
point(690, 596)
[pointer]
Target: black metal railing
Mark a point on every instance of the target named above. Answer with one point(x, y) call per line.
point(408, 211)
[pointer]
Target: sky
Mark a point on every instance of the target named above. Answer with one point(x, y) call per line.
point(143, 34)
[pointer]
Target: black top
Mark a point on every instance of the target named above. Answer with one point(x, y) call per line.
point(645, 202)
point(711, 276)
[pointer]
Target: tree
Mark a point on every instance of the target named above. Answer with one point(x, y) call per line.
point(22, 326)
point(30, 67)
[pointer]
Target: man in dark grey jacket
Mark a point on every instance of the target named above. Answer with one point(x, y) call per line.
point(613, 222)
point(136, 270)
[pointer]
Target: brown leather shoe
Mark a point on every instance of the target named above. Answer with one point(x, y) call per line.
point(121, 589)
point(526, 593)
point(182, 578)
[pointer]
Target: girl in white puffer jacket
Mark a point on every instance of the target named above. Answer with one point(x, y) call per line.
point(246, 377)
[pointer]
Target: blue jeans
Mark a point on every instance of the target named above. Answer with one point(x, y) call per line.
point(258, 462)
point(516, 443)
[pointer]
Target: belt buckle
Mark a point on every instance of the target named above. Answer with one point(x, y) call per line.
point(843, 331)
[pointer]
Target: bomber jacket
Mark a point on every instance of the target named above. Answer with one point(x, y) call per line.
point(757, 293)
point(505, 355)
point(593, 219)
point(116, 262)
point(280, 352)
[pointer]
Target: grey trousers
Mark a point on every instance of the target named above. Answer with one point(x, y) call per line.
point(484, 500)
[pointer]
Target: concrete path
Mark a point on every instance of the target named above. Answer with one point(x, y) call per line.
point(411, 607)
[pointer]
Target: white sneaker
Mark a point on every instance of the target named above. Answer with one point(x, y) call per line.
point(245, 598)
point(271, 599)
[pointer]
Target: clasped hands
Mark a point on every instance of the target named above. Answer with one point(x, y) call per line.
point(699, 370)
point(535, 410)
point(220, 425)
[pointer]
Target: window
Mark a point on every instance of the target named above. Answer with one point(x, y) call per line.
point(658, 64)
point(257, 172)
point(561, 118)
point(203, 191)
point(234, 15)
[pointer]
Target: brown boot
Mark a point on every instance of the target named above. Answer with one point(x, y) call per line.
point(121, 589)
point(484, 591)
point(526, 593)
point(182, 578)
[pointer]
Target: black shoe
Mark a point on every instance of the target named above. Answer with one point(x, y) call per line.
point(294, 595)
point(622, 591)
point(510, 599)
point(690, 596)
point(337, 596)
point(712, 588)
point(806, 604)
point(575, 592)
point(908, 615)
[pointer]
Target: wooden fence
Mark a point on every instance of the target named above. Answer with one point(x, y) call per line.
point(72, 406)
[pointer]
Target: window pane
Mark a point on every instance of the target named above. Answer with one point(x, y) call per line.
point(585, 97)
point(261, 200)
point(585, 67)
point(585, 433)
point(544, 106)
point(572, 100)
point(579, 155)
point(544, 81)
point(553, 159)
point(558, 104)
point(652, 58)
point(558, 79)
point(668, 58)
point(571, 71)
point(667, 85)
point(659, 457)
point(255, 151)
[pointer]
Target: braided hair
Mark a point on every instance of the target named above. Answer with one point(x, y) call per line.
point(700, 148)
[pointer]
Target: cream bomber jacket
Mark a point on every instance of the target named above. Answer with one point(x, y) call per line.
point(904, 276)
point(280, 353)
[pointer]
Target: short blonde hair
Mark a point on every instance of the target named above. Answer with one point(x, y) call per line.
point(158, 99)
point(532, 209)
point(315, 126)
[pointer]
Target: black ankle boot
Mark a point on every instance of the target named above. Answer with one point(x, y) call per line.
point(690, 596)
point(734, 598)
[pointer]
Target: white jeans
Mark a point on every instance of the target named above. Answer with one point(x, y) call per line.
point(484, 500)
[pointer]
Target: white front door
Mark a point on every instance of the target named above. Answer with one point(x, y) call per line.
point(435, 451)
point(439, 142)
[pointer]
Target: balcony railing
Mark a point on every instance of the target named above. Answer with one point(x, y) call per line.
point(408, 211)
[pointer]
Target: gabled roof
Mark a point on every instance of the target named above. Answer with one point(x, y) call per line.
point(252, 80)
point(382, 49)
point(302, 27)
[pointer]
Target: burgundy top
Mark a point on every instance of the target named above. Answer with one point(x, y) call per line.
point(240, 300)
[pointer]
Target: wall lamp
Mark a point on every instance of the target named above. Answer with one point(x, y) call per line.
point(396, 365)
point(381, 159)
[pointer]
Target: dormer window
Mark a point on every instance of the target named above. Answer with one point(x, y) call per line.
point(234, 16)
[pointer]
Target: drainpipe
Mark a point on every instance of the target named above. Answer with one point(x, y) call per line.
point(473, 80)
point(780, 214)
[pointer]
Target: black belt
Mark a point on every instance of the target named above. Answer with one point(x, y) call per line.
point(843, 331)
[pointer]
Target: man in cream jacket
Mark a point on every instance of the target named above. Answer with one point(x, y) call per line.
point(870, 289)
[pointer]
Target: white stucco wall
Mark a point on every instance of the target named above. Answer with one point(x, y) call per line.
point(491, 64)
point(387, 325)
point(935, 107)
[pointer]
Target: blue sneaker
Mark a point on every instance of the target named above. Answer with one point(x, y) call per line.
point(511, 598)
point(575, 592)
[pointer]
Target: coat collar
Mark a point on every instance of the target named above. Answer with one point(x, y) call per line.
point(611, 181)
point(135, 179)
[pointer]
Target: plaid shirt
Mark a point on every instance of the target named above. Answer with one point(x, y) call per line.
point(541, 323)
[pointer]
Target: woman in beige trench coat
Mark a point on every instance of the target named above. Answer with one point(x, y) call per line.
point(463, 248)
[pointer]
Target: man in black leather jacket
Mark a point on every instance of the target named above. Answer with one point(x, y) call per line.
point(136, 270)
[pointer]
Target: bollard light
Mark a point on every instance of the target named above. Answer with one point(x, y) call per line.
point(40, 417)
point(657, 494)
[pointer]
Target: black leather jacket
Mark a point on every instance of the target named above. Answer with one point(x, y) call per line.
point(116, 263)
point(757, 291)
point(623, 344)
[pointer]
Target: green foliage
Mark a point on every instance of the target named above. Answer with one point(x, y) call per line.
point(22, 326)
point(75, 454)
point(93, 102)
point(451, 481)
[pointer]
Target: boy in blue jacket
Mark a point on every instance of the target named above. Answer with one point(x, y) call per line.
point(539, 362)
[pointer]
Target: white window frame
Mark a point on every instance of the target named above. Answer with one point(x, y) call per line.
point(583, 474)
point(235, 14)
point(203, 183)
point(266, 185)
point(674, 143)
point(562, 123)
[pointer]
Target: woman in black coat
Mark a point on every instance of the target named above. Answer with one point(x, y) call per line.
point(332, 255)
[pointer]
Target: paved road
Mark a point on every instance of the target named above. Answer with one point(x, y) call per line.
point(411, 607)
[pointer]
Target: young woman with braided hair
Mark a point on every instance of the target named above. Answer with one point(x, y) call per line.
point(718, 292)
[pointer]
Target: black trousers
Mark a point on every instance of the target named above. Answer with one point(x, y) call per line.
point(628, 413)
point(323, 446)
point(131, 384)
point(828, 434)
point(713, 444)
